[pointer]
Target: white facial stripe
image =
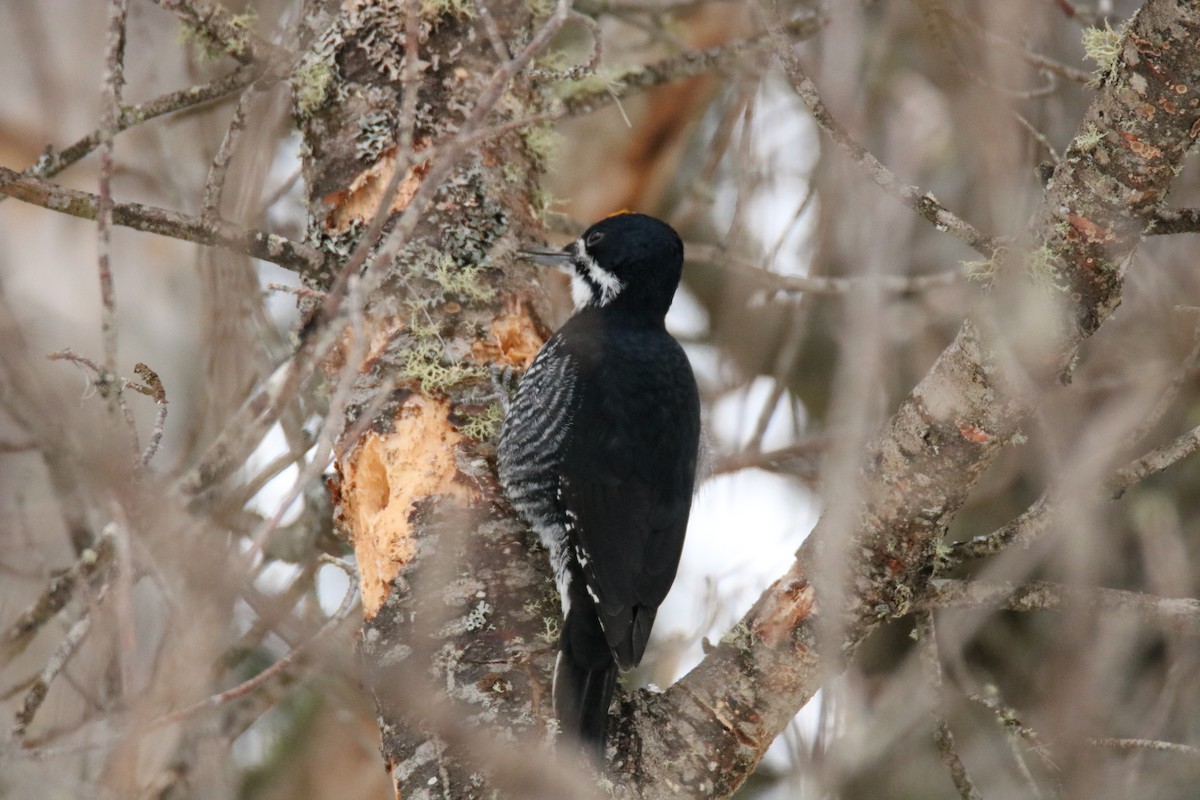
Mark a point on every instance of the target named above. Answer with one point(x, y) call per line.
point(598, 286)
point(581, 291)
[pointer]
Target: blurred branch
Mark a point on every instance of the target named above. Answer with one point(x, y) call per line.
point(92, 564)
point(931, 664)
point(1148, 744)
point(214, 185)
point(172, 224)
point(230, 33)
point(1155, 461)
point(1174, 220)
point(54, 665)
point(773, 281)
point(284, 662)
point(1168, 395)
point(50, 164)
point(685, 65)
point(801, 460)
point(1174, 614)
point(1010, 721)
point(935, 12)
point(114, 82)
point(1022, 531)
point(923, 203)
point(1035, 520)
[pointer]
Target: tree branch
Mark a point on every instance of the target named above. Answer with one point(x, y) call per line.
point(923, 203)
point(172, 224)
point(1173, 614)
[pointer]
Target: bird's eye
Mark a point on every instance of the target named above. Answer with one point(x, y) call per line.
point(594, 238)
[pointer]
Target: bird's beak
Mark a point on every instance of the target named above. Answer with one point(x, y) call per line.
point(546, 256)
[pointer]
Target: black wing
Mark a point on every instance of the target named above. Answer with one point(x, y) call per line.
point(628, 473)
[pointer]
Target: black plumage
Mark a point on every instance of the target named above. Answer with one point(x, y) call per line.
point(598, 453)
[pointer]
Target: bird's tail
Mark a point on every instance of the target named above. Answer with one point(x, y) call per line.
point(585, 677)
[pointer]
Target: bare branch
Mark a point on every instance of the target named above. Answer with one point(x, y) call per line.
point(114, 80)
point(1148, 744)
point(943, 736)
point(1156, 461)
point(922, 202)
point(172, 224)
point(50, 163)
point(685, 65)
point(1169, 221)
point(773, 281)
point(1173, 614)
point(92, 564)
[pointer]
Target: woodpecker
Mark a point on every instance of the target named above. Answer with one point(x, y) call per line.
point(598, 454)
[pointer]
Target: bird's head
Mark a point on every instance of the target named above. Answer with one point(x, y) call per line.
point(626, 262)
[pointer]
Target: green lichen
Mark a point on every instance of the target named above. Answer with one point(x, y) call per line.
point(543, 142)
point(485, 425)
point(1042, 265)
point(463, 280)
point(540, 8)
point(211, 48)
point(513, 173)
point(740, 636)
point(549, 634)
point(941, 555)
point(1103, 45)
point(1089, 138)
point(542, 202)
point(981, 270)
point(461, 9)
point(310, 83)
point(424, 364)
point(606, 79)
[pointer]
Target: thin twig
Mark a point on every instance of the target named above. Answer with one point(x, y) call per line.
point(1168, 221)
point(91, 564)
point(1021, 532)
point(776, 282)
point(50, 164)
point(685, 65)
point(943, 736)
point(232, 33)
point(1167, 396)
point(802, 460)
point(153, 388)
point(1148, 744)
point(114, 80)
point(172, 224)
point(1174, 614)
point(286, 661)
point(1010, 721)
point(221, 698)
point(924, 203)
point(1155, 461)
point(214, 185)
point(54, 665)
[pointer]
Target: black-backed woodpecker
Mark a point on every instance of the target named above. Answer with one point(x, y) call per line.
point(598, 454)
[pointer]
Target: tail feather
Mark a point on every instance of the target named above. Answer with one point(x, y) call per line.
point(585, 677)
